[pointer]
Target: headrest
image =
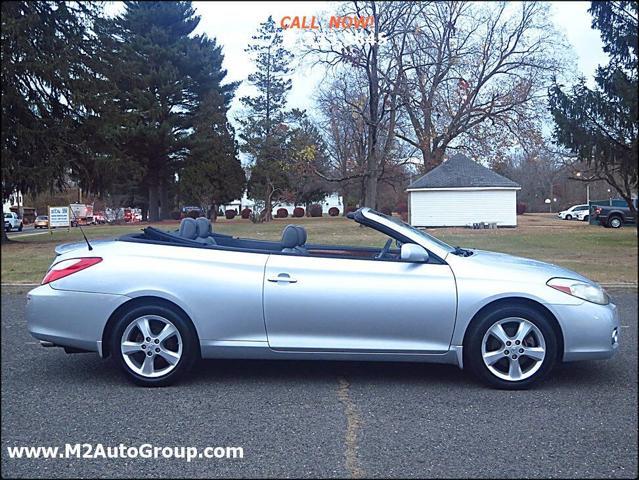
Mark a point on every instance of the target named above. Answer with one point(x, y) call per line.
point(188, 228)
point(302, 233)
point(290, 237)
point(204, 228)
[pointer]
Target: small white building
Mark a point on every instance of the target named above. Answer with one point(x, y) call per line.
point(331, 200)
point(460, 192)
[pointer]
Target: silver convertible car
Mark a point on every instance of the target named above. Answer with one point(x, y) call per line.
point(158, 301)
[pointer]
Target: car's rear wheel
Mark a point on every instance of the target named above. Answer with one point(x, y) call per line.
point(154, 345)
point(511, 347)
point(586, 218)
point(615, 222)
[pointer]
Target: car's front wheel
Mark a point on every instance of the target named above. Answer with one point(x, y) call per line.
point(154, 345)
point(568, 217)
point(510, 347)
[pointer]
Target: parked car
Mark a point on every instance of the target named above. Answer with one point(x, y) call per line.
point(614, 216)
point(583, 215)
point(99, 218)
point(157, 301)
point(41, 221)
point(12, 222)
point(572, 212)
point(194, 212)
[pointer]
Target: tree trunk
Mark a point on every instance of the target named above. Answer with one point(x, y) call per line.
point(370, 200)
point(154, 202)
point(213, 212)
point(432, 159)
point(4, 239)
point(268, 201)
point(164, 200)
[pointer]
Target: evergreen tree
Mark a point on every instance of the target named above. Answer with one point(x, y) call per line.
point(264, 129)
point(151, 69)
point(600, 125)
point(212, 174)
point(306, 151)
point(46, 62)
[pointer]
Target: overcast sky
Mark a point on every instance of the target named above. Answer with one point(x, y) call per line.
point(233, 24)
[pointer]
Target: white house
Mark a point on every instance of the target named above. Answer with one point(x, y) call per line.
point(331, 200)
point(461, 192)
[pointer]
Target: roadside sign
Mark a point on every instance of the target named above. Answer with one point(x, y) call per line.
point(59, 217)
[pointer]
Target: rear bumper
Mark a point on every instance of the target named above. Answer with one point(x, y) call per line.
point(68, 318)
point(589, 330)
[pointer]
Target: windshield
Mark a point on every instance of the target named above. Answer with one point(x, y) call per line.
point(7, 215)
point(403, 227)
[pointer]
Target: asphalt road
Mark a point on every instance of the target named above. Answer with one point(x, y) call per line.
point(321, 419)
point(27, 230)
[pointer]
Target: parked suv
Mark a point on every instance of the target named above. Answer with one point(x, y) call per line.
point(614, 217)
point(12, 222)
point(572, 212)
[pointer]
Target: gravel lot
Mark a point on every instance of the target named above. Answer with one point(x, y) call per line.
point(321, 419)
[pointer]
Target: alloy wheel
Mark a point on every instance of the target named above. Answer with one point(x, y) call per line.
point(151, 346)
point(615, 223)
point(513, 349)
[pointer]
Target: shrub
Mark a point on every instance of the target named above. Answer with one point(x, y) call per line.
point(230, 214)
point(349, 209)
point(315, 210)
point(246, 213)
point(521, 208)
point(386, 210)
point(333, 211)
point(401, 207)
point(298, 212)
point(175, 215)
point(281, 213)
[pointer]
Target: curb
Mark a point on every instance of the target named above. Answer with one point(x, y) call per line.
point(19, 284)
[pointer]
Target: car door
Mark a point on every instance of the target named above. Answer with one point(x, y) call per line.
point(361, 305)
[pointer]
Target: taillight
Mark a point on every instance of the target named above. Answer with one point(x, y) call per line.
point(597, 211)
point(67, 267)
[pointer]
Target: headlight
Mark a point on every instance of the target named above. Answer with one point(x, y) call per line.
point(583, 290)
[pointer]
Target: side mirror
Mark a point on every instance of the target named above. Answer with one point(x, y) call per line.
point(412, 252)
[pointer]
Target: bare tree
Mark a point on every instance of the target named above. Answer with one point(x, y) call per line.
point(372, 63)
point(343, 107)
point(471, 71)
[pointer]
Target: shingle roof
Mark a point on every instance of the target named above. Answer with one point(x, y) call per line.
point(460, 171)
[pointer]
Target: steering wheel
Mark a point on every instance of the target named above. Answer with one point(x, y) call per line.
point(385, 250)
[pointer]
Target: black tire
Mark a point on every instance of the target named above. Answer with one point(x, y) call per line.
point(190, 347)
point(615, 222)
point(568, 217)
point(20, 227)
point(586, 218)
point(473, 359)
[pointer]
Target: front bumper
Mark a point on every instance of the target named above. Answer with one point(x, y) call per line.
point(590, 331)
point(68, 318)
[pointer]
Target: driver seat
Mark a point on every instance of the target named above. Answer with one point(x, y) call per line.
point(294, 239)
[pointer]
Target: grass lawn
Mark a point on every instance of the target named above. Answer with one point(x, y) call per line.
point(605, 255)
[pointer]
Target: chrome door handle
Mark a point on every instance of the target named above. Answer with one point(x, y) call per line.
point(282, 277)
